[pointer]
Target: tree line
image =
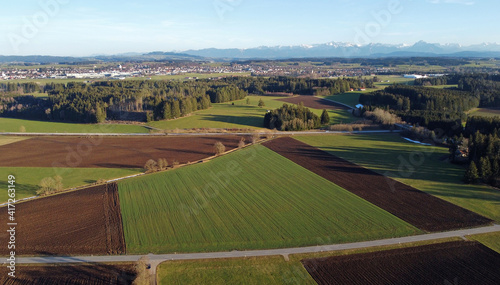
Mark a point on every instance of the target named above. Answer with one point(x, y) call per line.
point(301, 86)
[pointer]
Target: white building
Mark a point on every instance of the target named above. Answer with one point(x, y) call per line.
point(414, 76)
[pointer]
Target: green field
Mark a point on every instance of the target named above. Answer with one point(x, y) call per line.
point(250, 199)
point(249, 271)
point(260, 270)
point(348, 98)
point(238, 116)
point(28, 178)
point(422, 167)
point(484, 112)
point(443, 86)
point(491, 240)
point(14, 125)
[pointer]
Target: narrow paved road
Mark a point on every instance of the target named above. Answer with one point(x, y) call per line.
point(254, 253)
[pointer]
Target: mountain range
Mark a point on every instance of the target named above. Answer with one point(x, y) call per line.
point(332, 49)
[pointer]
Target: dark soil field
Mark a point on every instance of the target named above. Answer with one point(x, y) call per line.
point(418, 208)
point(77, 223)
point(446, 263)
point(109, 152)
point(95, 274)
point(314, 102)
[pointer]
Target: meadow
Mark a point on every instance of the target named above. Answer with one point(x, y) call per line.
point(28, 178)
point(484, 112)
point(491, 240)
point(250, 199)
point(238, 116)
point(17, 125)
point(422, 167)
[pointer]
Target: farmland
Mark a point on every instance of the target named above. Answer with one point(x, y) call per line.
point(251, 271)
point(28, 178)
point(314, 102)
point(81, 222)
point(460, 262)
point(485, 112)
point(205, 208)
point(95, 274)
point(420, 209)
point(391, 155)
point(239, 116)
point(5, 140)
point(491, 240)
point(108, 152)
point(261, 270)
point(348, 98)
point(17, 125)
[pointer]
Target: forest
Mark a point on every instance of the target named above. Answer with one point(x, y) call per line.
point(433, 108)
point(148, 100)
point(482, 85)
point(292, 118)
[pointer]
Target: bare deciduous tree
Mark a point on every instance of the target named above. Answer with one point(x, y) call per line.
point(50, 185)
point(241, 144)
point(151, 165)
point(162, 163)
point(255, 137)
point(219, 148)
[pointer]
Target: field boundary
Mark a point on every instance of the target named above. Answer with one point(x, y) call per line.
point(258, 253)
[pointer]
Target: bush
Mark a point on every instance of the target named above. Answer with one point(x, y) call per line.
point(50, 185)
point(342, 128)
point(162, 163)
point(151, 165)
point(255, 137)
point(241, 144)
point(383, 117)
point(141, 271)
point(219, 148)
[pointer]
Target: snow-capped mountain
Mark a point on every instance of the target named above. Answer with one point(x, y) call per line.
point(345, 49)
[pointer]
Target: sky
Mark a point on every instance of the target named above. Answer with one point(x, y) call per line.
point(91, 27)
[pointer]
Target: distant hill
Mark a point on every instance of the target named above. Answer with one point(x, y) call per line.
point(327, 50)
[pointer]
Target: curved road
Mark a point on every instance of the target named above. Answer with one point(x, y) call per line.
point(157, 258)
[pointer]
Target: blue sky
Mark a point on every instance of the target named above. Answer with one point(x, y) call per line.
point(79, 28)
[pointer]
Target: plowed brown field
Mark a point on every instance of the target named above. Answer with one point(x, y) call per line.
point(418, 208)
point(314, 102)
point(446, 263)
point(109, 152)
point(81, 222)
point(95, 274)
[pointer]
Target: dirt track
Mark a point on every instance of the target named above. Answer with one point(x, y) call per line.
point(109, 152)
point(82, 222)
point(445, 263)
point(314, 102)
point(418, 208)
